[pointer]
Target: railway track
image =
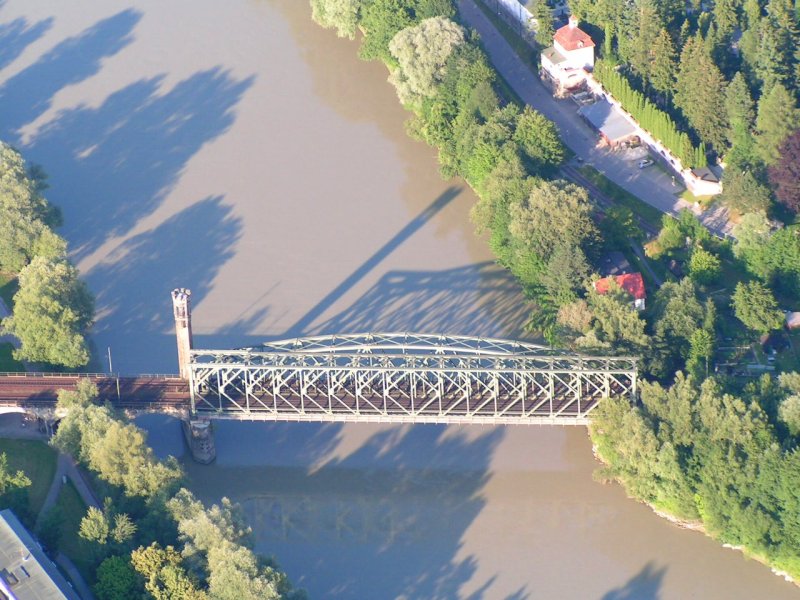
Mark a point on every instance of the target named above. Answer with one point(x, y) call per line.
point(144, 392)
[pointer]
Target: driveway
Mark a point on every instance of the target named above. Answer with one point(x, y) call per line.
point(652, 185)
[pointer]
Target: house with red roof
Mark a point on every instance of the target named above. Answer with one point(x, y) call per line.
point(630, 282)
point(564, 64)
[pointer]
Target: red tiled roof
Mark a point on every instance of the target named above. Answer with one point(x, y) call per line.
point(572, 38)
point(630, 282)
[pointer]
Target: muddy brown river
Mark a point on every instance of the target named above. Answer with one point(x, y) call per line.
point(238, 149)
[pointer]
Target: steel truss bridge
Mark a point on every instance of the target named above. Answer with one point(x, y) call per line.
point(405, 378)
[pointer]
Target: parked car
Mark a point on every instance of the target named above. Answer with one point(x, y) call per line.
point(645, 162)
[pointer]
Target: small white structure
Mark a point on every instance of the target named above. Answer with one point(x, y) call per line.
point(564, 64)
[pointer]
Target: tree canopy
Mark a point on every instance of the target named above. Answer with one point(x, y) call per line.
point(52, 312)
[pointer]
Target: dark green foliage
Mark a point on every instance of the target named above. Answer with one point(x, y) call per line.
point(778, 117)
point(704, 454)
point(52, 312)
point(116, 580)
point(656, 121)
point(704, 266)
point(544, 19)
point(756, 307)
point(538, 141)
point(49, 530)
point(744, 193)
point(700, 93)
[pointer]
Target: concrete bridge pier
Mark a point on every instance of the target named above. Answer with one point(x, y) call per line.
point(199, 435)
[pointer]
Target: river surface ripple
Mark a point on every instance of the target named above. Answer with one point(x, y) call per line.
point(238, 149)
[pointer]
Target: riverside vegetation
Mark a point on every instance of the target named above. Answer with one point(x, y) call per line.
point(152, 538)
point(701, 446)
point(53, 309)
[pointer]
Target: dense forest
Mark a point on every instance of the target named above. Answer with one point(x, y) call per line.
point(727, 72)
point(706, 445)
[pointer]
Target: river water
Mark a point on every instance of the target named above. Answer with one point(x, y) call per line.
point(238, 149)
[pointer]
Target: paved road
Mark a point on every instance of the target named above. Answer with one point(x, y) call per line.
point(653, 185)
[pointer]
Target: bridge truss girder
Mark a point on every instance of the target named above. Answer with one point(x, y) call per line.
point(455, 380)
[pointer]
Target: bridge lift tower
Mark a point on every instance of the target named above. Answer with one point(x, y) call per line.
point(183, 328)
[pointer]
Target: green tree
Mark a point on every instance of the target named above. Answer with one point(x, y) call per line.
point(704, 267)
point(544, 23)
point(756, 307)
point(25, 216)
point(84, 394)
point(217, 540)
point(95, 526)
point(700, 92)
point(10, 480)
point(421, 53)
point(565, 274)
point(381, 20)
point(663, 64)
point(777, 118)
point(339, 14)
point(752, 244)
point(701, 350)
point(741, 116)
point(616, 326)
point(556, 213)
point(52, 311)
point(789, 412)
point(48, 529)
point(124, 528)
point(116, 580)
point(538, 139)
point(165, 576)
point(743, 193)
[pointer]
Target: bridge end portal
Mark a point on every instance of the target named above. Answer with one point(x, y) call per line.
point(183, 328)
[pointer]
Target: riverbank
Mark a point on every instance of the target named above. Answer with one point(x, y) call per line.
point(694, 525)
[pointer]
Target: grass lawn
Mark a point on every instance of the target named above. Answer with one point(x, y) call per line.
point(73, 510)
point(704, 201)
point(623, 197)
point(7, 362)
point(38, 460)
point(8, 287)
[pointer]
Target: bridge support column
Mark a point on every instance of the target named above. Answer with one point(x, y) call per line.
point(183, 328)
point(199, 435)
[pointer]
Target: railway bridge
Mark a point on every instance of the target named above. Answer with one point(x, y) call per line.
point(371, 377)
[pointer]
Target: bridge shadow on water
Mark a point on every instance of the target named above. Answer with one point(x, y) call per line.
point(360, 511)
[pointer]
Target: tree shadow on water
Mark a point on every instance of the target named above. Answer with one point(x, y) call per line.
point(17, 35)
point(119, 161)
point(187, 249)
point(28, 94)
point(645, 585)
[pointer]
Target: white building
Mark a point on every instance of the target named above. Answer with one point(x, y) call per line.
point(564, 64)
